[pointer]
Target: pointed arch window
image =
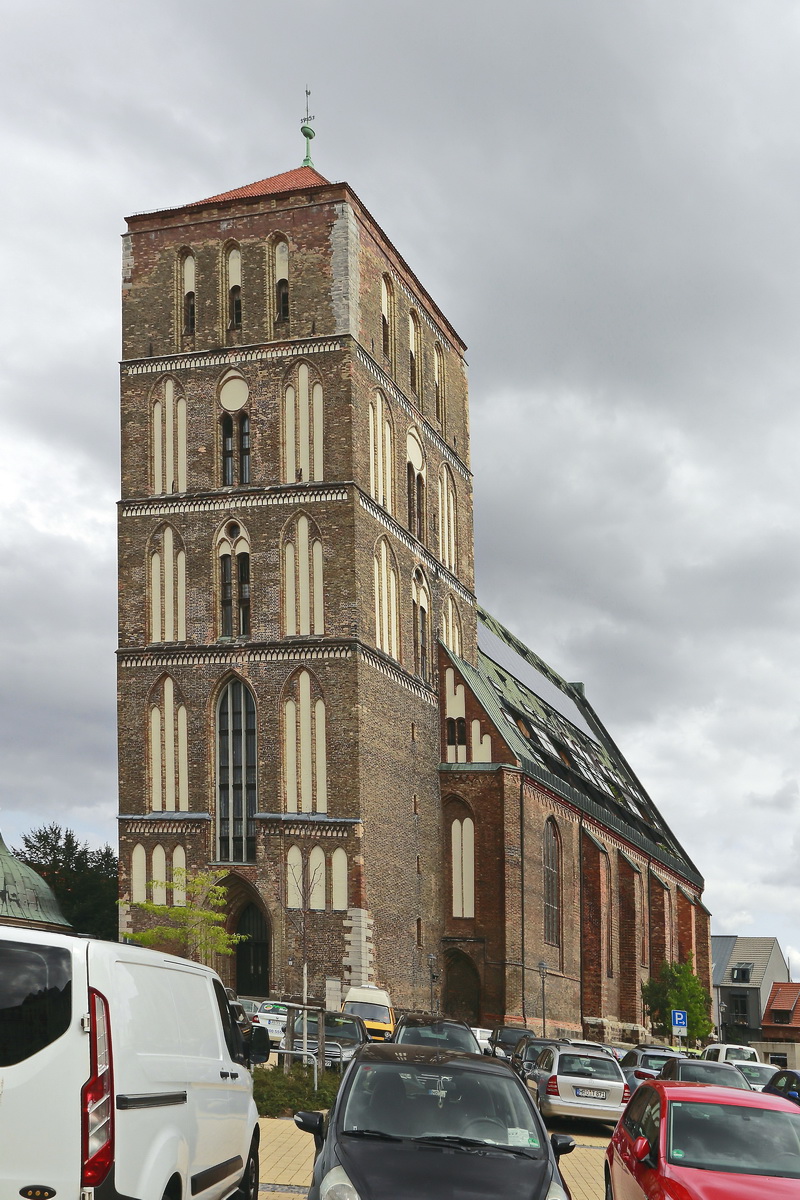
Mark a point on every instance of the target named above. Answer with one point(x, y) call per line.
point(159, 880)
point(551, 862)
point(187, 320)
point(387, 616)
point(233, 272)
point(339, 880)
point(233, 555)
point(167, 580)
point(138, 874)
point(438, 384)
point(303, 595)
point(415, 486)
point(462, 845)
point(168, 439)
point(381, 452)
point(448, 534)
point(281, 268)
point(451, 626)
point(305, 749)
point(387, 318)
point(608, 911)
point(414, 357)
point(316, 878)
point(303, 428)
point(294, 878)
point(179, 877)
point(168, 750)
point(420, 608)
point(236, 774)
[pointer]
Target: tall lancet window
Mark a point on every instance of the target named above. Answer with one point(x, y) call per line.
point(168, 439)
point(451, 626)
point(438, 385)
point(236, 774)
point(233, 556)
point(415, 482)
point(462, 842)
point(381, 452)
point(281, 267)
point(168, 749)
point(387, 319)
point(420, 609)
point(302, 428)
point(414, 354)
point(233, 272)
point(167, 586)
point(305, 748)
point(551, 864)
point(448, 528)
point(387, 616)
point(187, 317)
point(303, 597)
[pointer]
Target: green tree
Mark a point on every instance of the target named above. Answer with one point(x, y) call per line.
point(677, 986)
point(195, 929)
point(84, 882)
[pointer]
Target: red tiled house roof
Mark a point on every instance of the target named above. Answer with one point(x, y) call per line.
point(782, 999)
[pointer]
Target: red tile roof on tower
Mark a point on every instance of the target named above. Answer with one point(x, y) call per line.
point(289, 181)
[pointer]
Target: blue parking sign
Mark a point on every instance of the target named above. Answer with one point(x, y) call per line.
point(679, 1020)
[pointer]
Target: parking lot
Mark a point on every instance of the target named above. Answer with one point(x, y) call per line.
point(287, 1158)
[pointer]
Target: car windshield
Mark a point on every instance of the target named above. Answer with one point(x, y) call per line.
point(342, 1029)
point(438, 1034)
point(736, 1139)
point(369, 1011)
point(588, 1066)
point(711, 1072)
point(654, 1062)
point(757, 1073)
point(430, 1101)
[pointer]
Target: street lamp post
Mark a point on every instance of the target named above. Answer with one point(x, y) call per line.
point(543, 973)
point(722, 1006)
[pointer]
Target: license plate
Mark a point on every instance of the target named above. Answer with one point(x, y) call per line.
point(590, 1093)
point(328, 1062)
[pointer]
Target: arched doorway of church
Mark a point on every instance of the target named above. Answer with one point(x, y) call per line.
point(462, 988)
point(252, 955)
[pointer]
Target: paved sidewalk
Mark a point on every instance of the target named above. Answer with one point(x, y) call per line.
point(287, 1159)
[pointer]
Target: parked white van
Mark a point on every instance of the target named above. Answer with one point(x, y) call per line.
point(728, 1052)
point(121, 1075)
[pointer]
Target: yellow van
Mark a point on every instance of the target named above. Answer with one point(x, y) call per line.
point(373, 1005)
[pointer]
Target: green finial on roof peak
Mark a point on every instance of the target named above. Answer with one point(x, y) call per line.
point(307, 133)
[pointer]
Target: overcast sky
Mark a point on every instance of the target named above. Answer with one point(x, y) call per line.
point(603, 197)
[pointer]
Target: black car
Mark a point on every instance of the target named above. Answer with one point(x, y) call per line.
point(503, 1040)
point(411, 1122)
point(527, 1050)
point(699, 1070)
point(424, 1029)
point(784, 1083)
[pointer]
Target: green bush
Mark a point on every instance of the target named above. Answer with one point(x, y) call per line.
point(279, 1095)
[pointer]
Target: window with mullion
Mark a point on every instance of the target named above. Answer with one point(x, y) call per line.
point(552, 886)
point(236, 774)
point(226, 595)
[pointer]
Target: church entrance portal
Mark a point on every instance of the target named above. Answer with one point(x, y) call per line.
point(462, 988)
point(252, 956)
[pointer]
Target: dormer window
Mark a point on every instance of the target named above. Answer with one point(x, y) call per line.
point(741, 972)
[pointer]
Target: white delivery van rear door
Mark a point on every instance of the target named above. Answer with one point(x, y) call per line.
point(44, 1061)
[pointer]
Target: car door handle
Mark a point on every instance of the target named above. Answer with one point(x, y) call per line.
point(224, 1074)
point(234, 1074)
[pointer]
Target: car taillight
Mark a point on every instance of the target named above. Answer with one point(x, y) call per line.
point(97, 1098)
point(552, 1086)
point(626, 1094)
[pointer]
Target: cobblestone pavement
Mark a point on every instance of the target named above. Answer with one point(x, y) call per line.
point(287, 1158)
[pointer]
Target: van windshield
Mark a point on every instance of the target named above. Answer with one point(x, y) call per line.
point(35, 998)
point(369, 1012)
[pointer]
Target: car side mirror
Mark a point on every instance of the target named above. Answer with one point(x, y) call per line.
point(642, 1150)
point(310, 1122)
point(793, 1095)
point(562, 1143)
point(486, 1050)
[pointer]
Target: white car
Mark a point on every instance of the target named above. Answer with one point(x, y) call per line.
point(728, 1052)
point(272, 1017)
point(757, 1074)
point(483, 1036)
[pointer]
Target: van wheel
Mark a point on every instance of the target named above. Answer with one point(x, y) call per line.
point(248, 1188)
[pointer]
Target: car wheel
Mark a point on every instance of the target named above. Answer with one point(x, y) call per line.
point(248, 1188)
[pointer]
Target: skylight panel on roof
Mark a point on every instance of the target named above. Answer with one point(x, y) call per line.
point(502, 654)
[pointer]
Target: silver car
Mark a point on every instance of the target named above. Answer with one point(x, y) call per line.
point(569, 1081)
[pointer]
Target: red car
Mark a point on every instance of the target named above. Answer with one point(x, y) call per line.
point(694, 1141)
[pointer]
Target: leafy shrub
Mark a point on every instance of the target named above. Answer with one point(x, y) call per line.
point(279, 1095)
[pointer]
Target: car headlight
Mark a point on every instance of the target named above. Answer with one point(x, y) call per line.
point(556, 1191)
point(336, 1186)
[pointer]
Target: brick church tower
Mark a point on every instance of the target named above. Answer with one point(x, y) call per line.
point(310, 698)
point(295, 534)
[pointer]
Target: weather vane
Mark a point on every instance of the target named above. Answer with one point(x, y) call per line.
point(307, 132)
